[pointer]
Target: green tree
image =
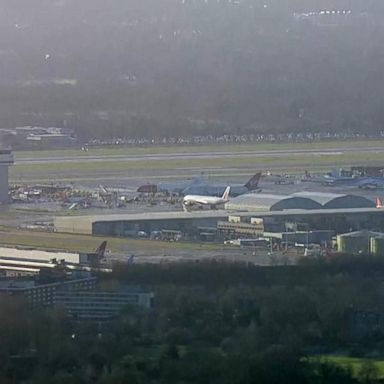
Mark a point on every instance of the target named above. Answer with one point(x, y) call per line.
point(368, 372)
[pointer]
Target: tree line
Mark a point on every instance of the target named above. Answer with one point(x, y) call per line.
point(212, 322)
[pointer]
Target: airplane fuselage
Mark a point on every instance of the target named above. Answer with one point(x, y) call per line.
point(203, 200)
point(214, 191)
point(211, 201)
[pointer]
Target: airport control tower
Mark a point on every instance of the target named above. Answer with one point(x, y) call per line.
point(6, 159)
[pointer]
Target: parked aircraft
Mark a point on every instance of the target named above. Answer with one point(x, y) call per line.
point(201, 200)
point(280, 179)
point(341, 177)
point(362, 177)
point(362, 182)
point(213, 189)
point(175, 188)
point(100, 251)
point(371, 183)
point(352, 178)
point(77, 202)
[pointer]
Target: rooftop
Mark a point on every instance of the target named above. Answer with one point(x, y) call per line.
point(210, 214)
point(16, 284)
point(298, 200)
point(83, 224)
point(364, 233)
point(320, 197)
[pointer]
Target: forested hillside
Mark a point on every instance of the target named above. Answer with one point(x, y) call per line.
point(211, 323)
point(183, 67)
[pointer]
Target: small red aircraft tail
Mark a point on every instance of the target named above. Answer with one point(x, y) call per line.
point(100, 251)
point(379, 203)
point(253, 182)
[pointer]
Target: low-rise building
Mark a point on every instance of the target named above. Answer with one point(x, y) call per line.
point(102, 305)
point(33, 260)
point(44, 294)
point(361, 242)
point(237, 226)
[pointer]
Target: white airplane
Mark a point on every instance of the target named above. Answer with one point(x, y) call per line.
point(212, 201)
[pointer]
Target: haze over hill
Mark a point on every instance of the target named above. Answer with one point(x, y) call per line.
point(179, 67)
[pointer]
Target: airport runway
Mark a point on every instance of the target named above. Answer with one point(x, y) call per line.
point(198, 155)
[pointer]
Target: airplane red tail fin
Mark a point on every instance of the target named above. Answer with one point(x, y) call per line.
point(253, 182)
point(100, 251)
point(379, 203)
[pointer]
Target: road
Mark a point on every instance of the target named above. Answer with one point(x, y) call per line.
point(198, 155)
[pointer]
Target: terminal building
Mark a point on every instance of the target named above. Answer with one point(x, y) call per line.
point(224, 223)
point(302, 217)
point(127, 225)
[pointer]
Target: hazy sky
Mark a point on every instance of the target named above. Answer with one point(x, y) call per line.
point(253, 62)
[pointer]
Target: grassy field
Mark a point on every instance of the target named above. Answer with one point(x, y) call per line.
point(353, 363)
point(83, 243)
point(79, 169)
point(103, 170)
point(109, 151)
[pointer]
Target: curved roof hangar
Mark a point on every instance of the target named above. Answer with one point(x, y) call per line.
point(337, 201)
point(271, 202)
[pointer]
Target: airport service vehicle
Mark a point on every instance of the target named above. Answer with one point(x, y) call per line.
point(247, 242)
point(285, 181)
point(312, 250)
point(201, 200)
point(215, 189)
point(278, 179)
